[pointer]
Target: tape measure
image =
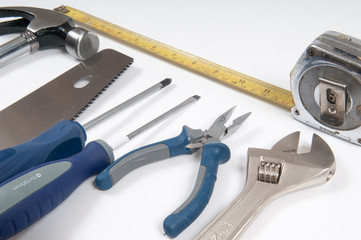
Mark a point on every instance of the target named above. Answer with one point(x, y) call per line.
point(264, 90)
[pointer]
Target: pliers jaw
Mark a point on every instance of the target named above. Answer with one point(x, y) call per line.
point(216, 132)
point(214, 153)
point(187, 142)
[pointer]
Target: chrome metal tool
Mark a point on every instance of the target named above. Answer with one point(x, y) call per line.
point(41, 29)
point(326, 86)
point(62, 98)
point(272, 173)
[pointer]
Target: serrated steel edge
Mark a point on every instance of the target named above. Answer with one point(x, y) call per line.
point(101, 92)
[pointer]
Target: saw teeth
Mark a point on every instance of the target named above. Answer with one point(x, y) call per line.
point(101, 92)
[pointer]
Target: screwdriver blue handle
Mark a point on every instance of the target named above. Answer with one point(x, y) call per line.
point(213, 155)
point(28, 196)
point(63, 140)
point(142, 156)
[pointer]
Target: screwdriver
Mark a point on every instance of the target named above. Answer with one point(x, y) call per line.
point(30, 195)
point(62, 140)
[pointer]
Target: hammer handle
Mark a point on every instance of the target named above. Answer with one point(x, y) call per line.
point(18, 47)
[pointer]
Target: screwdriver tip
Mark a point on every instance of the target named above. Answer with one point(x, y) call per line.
point(166, 82)
point(196, 97)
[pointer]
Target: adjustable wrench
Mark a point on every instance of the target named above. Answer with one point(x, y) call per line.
point(272, 173)
point(41, 29)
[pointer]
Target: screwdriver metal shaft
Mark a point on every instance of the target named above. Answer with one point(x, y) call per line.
point(64, 139)
point(123, 140)
point(48, 184)
point(127, 103)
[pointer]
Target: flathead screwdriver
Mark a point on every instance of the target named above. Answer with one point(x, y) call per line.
point(121, 141)
point(127, 103)
point(28, 196)
point(64, 139)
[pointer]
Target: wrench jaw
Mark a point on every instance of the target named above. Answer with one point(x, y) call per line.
point(312, 169)
point(288, 143)
point(272, 173)
point(321, 153)
point(265, 169)
point(294, 171)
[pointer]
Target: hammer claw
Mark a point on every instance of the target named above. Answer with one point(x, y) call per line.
point(43, 28)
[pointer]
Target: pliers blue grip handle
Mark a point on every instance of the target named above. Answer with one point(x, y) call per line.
point(213, 154)
point(142, 156)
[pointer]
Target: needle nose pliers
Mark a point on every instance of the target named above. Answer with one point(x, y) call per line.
point(190, 140)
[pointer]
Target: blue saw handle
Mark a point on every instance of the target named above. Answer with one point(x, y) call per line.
point(213, 155)
point(143, 156)
point(28, 196)
point(63, 140)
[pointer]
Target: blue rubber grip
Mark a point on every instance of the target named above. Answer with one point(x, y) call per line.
point(142, 156)
point(213, 155)
point(28, 196)
point(63, 140)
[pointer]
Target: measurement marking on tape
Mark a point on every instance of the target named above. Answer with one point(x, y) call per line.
point(236, 79)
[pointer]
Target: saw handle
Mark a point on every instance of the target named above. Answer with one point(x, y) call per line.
point(213, 154)
point(142, 156)
point(64, 139)
point(27, 197)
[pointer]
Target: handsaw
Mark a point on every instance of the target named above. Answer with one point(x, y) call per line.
point(65, 97)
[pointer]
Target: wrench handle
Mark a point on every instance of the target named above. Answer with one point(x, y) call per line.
point(213, 154)
point(18, 47)
point(238, 216)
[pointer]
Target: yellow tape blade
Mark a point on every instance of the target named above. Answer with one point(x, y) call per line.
point(259, 88)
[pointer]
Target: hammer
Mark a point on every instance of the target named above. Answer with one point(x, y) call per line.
point(42, 29)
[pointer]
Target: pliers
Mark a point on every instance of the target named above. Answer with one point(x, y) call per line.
point(190, 140)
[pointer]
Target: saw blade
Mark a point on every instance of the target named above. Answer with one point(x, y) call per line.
point(65, 97)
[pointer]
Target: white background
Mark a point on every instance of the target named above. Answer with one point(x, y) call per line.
point(263, 39)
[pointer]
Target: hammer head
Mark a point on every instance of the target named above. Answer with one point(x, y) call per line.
point(52, 29)
point(289, 171)
point(38, 19)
